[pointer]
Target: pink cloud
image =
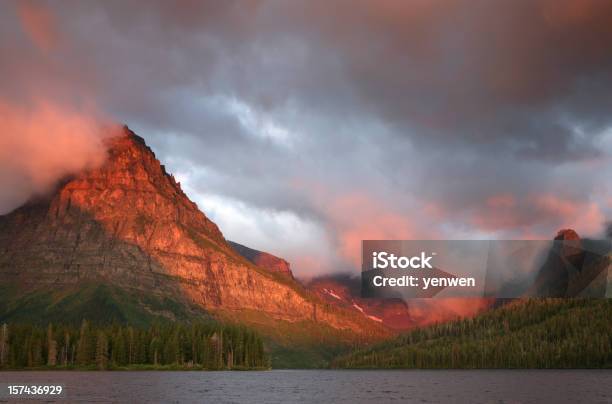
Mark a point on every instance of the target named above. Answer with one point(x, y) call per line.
point(38, 22)
point(355, 217)
point(584, 216)
point(430, 311)
point(43, 144)
point(501, 201)
point(545, 211)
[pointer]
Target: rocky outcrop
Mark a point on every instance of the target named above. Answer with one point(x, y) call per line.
point(128, 223)
point(344, 290)
point(573, 268)
point(264, 260)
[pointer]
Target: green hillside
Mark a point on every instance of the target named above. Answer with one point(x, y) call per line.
point(297, 345)
point(546, 333)
point(306, 344)
point(102, 304)
point(103, 326)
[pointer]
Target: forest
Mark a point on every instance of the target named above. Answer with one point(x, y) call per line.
point(203, 346)
point(535, 333)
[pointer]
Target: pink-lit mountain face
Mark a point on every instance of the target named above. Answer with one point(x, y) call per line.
point(129, 224)
point(344, 291)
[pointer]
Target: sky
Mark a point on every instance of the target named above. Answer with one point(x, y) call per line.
point(304, 127)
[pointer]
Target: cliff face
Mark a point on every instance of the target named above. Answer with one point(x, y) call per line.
point(128, 223)
point(263, 259)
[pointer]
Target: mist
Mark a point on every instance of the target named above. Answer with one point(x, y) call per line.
point(43, 144)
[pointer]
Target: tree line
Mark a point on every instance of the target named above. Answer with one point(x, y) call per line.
point(163, 345)
point(537, 333)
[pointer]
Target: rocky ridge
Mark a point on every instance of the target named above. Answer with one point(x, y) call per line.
point(128, 223)
point(263, 259)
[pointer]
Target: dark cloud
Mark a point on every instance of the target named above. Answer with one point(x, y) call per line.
point(448, 119)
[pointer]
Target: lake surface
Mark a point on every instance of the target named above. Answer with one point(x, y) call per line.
point(330, 386)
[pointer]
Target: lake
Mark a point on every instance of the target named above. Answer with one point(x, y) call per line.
point(316, 386)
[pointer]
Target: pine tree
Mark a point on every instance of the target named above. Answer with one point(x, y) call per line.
point(4, 347)
point(101, 351)
point(51, 347)
point(66, 349)
point(155, 350)
point(130, 347)
point(84, 346)
point(118, 348)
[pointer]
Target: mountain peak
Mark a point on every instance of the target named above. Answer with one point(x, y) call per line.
point(567, 234)
point(128, 224)
point(133, 187)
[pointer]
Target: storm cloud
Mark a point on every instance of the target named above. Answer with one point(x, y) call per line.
point(304, 127)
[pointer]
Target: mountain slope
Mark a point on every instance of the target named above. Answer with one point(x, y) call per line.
point(536, 333)
point(128, 224)
point(263, 259)
point(345, 290)
point(100, 303)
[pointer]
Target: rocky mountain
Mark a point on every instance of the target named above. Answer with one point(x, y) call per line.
point(574, 267)
point(263, 259)
point(128, 224)
point(345, 290)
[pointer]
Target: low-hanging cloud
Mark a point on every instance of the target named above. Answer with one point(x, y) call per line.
point(41, 146)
